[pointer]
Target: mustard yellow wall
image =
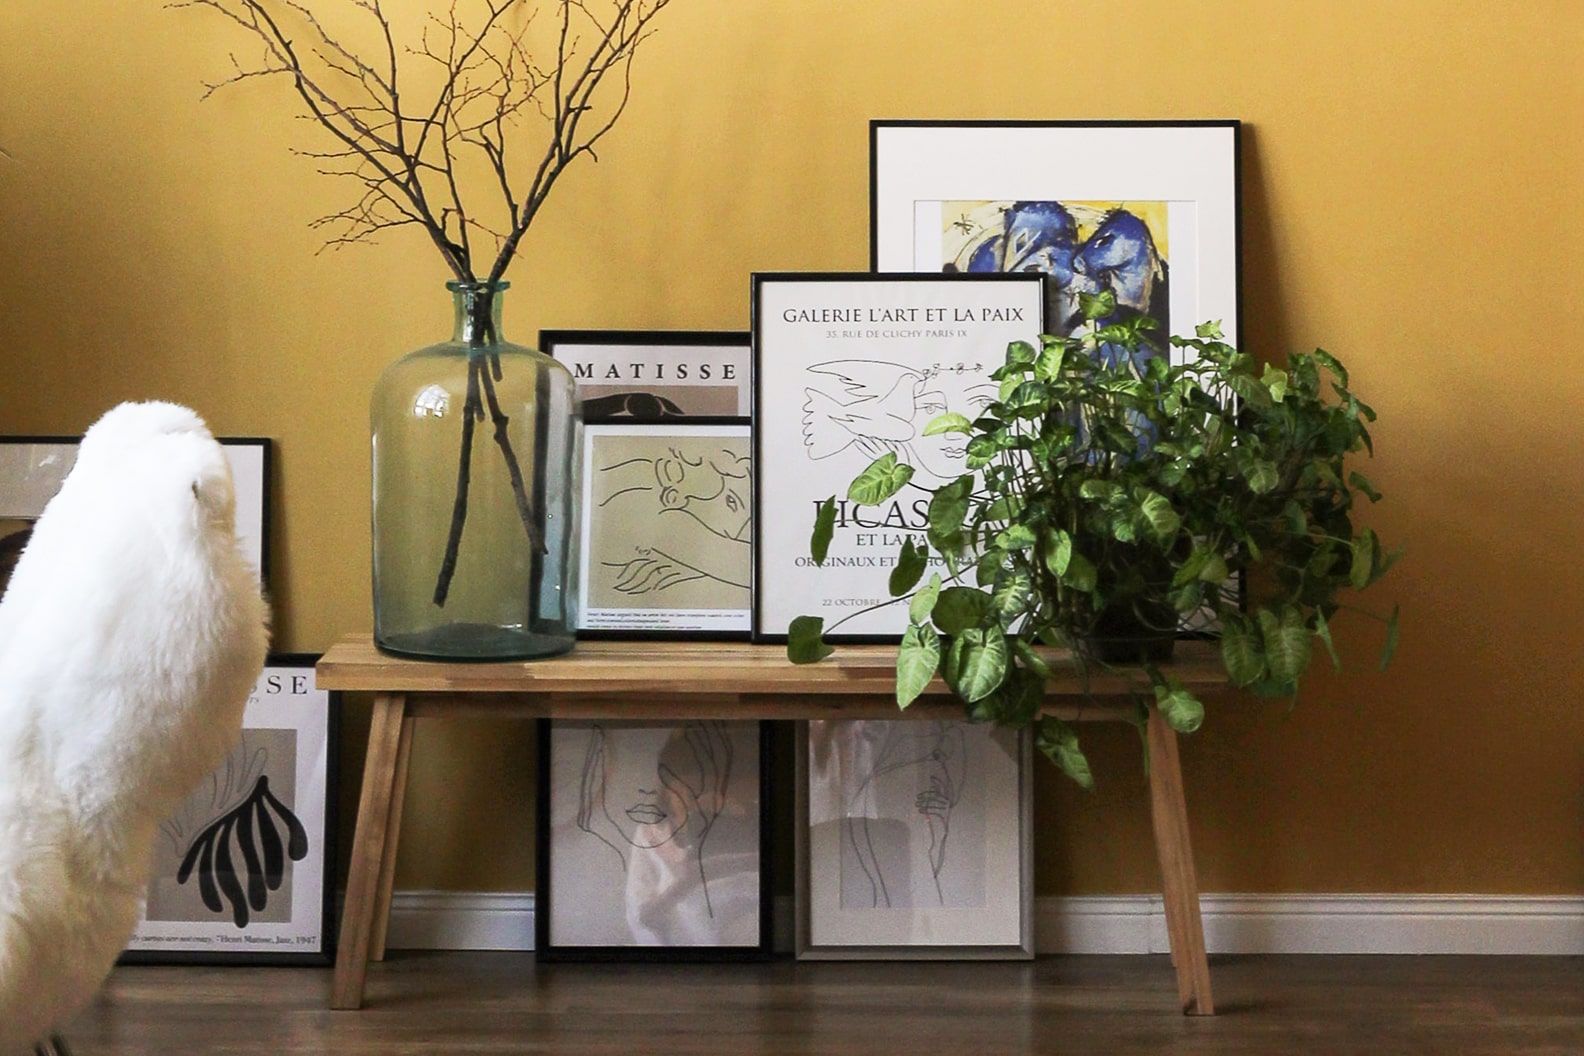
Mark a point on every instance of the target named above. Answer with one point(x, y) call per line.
point(1412, 178)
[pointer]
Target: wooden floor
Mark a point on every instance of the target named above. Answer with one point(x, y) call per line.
point(503, 1003)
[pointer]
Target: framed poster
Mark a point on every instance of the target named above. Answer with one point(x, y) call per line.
point(653, 375)
point(33, 468)
point(847, 368)
point(1145, 209)
point(653, 841)
point(243, 871)
point(667, 548)
point(914, 840)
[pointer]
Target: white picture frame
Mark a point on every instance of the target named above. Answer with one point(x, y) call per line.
point(942, 865)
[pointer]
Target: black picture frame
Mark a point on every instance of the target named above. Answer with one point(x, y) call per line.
point(544, 896)
point(666, 634)
point(329, 929)
point(267, 472)
point(552, 339)
point(1234, 124)
point(762, 634)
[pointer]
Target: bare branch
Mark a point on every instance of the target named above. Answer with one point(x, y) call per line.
point(405, 151)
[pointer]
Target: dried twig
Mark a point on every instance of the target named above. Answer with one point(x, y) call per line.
point(406, 157)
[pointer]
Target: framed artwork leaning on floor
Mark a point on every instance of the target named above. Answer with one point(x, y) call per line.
point(244, 870)
point(914, 841)
point(33, 468)
point(653, 841)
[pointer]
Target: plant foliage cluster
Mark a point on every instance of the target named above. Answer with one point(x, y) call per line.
point(1113, 497)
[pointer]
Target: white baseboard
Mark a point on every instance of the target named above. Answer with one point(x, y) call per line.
point(1467, 924)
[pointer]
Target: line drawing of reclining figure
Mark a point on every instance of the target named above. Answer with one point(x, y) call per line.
point(708, 493)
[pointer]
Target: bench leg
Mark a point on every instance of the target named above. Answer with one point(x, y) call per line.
point(1180, 886)
point(372, 844)
point(387, 881)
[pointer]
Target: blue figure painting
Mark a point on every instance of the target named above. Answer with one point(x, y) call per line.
point(1085, 247)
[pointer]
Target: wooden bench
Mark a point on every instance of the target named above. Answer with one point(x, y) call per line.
point(696, 680)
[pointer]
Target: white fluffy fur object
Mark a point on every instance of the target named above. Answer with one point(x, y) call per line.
point(131, 636)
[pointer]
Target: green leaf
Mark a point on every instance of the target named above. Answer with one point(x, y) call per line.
point(1192, 565)
point(1182, 710)
point(1058, 742)
point(1240, 653)
point(1002, 509)
point(988, 567)
point(1287, 645)
point(1017, 537)
point(1261, 476)
point(1080, 575)
point(824, 529)
point(949, 507)
point(1276, 381)
point(1163, 519)
point(883, 479)
point(960, 608)
point(1048, 366)
point(1389, 650)
point(982, 450)
point(1364, 556)
point(976, 662)
point(1332, 364)
point(1015, 702)
point(1214, 570)
point(917, 661)
point(1058, 551)
point(1209, 331)
point(804, 642)
point(1020, 354)
point(1097, 305)
point(1322, 631)
point(1013, 588)
point(923, 602)
point(1100, 490)
point(1361, 482)
point(911, 562)
point(1031, 659)
point(950, 422)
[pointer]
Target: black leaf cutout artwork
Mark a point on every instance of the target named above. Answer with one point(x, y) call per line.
point(256, 824)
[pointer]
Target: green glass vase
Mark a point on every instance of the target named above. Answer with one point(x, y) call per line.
point(476, 476)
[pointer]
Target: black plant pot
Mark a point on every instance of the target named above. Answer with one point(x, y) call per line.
point(1122, 637)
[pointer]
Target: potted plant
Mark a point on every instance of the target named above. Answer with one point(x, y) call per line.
point(1113, 501)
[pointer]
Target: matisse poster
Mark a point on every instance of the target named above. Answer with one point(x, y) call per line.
point(849, 368)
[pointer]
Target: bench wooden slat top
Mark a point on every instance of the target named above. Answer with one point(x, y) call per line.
point(701, 669)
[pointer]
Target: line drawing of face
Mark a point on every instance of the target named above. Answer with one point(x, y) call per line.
point(712, 489)
point(940, 457)
point(631, 800)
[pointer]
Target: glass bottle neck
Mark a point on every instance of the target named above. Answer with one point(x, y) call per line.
point(477, 308)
